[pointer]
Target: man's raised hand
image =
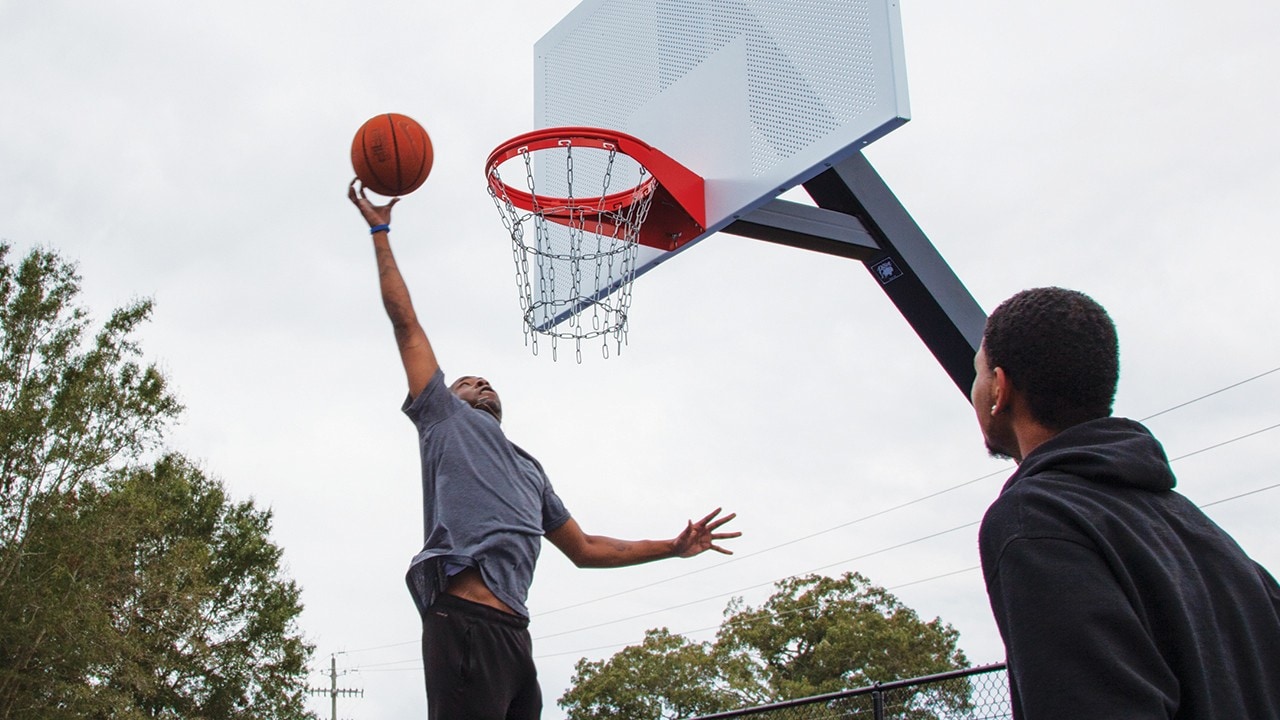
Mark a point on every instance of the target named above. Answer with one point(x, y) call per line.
point(373, 214)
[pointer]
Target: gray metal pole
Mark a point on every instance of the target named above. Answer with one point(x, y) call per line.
point(859, 217)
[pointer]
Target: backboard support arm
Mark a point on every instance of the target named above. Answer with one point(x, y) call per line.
point(897, 253)
point(808, 228)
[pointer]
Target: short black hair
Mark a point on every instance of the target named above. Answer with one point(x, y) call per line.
point(1059, 348)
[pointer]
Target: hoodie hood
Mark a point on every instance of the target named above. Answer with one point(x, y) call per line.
point(1115, 451)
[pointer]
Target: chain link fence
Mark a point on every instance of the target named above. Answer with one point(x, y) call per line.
point(980, 693)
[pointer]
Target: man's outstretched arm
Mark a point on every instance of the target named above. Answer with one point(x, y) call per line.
point(415, 349)
point(598, 551)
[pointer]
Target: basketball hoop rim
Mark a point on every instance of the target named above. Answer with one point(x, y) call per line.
point(575, 136)
point(675, 196)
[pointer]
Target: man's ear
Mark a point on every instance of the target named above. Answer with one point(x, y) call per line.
point(1001, 392)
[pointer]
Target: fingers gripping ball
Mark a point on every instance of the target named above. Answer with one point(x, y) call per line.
point(392, 154)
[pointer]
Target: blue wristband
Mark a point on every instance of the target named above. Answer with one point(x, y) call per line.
point(379, 228)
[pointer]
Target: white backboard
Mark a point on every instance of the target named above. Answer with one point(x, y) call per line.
point(756, 96)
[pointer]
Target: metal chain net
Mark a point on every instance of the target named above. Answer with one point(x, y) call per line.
point(575, 261)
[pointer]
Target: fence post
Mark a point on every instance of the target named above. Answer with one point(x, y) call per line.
point(877, 702)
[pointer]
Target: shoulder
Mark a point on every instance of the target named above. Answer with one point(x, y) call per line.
point(527, 456)
point(433, 404)
point(1047, 505)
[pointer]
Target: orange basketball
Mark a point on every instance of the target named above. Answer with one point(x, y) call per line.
point(392, 154)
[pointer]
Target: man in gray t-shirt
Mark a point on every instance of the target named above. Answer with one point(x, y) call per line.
point(486, 505)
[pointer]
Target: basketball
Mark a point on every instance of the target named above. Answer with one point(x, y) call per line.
point(392, 154)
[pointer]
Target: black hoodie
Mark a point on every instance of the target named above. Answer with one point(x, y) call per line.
point(1117, 597)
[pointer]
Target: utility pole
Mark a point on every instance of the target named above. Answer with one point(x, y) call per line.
point(333, 691)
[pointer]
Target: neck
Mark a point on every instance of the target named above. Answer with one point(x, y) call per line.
point(1031, 437)
point(1028, 433)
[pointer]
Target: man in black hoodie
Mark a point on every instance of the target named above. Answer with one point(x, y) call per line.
point(1116, 596)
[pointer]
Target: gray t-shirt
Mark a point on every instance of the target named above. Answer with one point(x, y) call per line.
point(485, 502)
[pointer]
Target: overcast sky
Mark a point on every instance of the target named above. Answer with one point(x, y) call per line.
point(197, 153)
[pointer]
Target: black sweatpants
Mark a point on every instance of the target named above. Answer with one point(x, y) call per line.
point(478, 663)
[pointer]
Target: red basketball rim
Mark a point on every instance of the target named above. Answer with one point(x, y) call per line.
point(548, 138)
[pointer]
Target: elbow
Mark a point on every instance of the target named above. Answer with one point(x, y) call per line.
point(588, 556)
point(400, 313)
point(403, 326)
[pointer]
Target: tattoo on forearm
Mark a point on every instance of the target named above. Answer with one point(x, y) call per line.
point(395, 295)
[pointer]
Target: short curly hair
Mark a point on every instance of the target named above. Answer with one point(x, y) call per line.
point(1059, 348)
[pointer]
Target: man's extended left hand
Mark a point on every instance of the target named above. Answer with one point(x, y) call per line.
point(701, 536)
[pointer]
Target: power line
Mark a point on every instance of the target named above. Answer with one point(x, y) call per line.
point(864, 518)
point(1209, 395)
point(673, 578)
point(860, 557)
point(382, 647)
point(416, 664)
point(802, 608)
point(1225, 442)
point(367, 668)
point(687, 633)
point(760, 585)
point(895, 508)
point(1237, 497)
point(841, 562)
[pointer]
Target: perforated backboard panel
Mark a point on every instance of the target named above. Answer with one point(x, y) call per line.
point(756, 96)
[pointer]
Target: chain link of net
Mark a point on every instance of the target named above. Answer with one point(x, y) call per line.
point(977, 697)
point(983, 694)
point(594, 245)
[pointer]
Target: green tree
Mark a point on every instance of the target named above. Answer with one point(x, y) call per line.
point(68, 415)
point(128, 588)
point(814, 635)
point(666, 676)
